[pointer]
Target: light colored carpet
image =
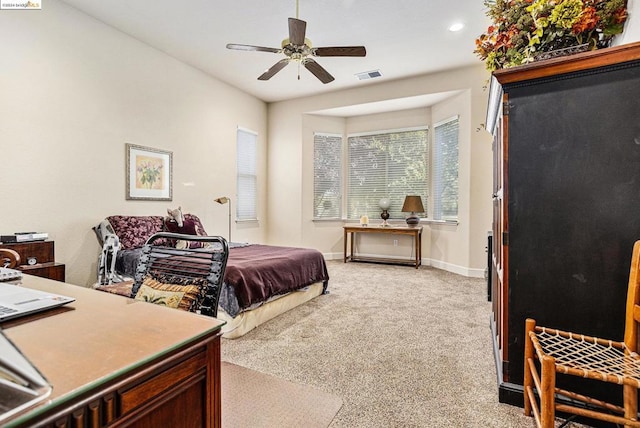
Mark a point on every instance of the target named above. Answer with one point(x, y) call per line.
point(254, 399)
point(402, 347)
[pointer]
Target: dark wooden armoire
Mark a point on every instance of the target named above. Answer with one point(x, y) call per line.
point(566, 200)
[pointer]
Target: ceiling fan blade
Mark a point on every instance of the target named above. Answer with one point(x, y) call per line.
point(252, 48)
point(274, 69)
point(318, 71)
point(297, 30)
point(340, 51)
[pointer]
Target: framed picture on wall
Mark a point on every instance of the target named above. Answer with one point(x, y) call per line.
point(149, 173)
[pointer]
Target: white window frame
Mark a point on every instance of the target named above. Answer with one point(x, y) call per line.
point(439, 167)
point(246, 175)
point(327, 188)
point(370, 206)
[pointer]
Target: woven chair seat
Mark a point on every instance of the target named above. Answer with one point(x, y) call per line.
point(589, 357)
point(548, 352)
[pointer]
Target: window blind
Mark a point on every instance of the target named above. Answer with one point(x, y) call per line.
point(390, 164)
point(327, 176)
point(445, 170)
point(246, 204)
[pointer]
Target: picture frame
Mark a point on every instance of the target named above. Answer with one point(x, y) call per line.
point(149, 173)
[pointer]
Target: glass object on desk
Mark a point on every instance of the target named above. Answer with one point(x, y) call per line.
point(21, 384)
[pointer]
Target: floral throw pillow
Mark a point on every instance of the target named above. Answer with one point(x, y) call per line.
point(133, 231)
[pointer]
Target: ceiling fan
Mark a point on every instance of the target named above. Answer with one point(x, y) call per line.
point(298, 48)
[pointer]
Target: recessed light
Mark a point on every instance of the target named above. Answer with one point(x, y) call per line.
point(456, 27)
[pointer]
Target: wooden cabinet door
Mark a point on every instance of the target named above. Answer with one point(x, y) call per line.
point(500, 238)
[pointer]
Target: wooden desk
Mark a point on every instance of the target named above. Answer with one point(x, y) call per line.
point(416, 232)
point(116, 361)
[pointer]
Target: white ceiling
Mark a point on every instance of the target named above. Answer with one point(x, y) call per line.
point(403, 37)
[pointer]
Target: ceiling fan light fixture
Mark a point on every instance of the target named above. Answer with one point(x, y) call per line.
point(286, 42)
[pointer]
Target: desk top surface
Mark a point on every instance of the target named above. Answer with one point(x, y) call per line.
point(99, 336)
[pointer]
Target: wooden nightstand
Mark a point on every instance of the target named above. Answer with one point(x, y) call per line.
point(38, 258)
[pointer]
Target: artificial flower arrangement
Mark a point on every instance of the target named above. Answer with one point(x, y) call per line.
point(524, 29)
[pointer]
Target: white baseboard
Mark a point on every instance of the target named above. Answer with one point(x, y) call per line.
point(460, 270)
point(333, 256)
point(449, 267)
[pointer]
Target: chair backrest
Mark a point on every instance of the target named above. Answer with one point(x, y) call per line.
point(9, 258)
point(632, 317)
point(163, 267)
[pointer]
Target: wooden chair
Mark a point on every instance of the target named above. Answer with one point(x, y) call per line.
point(588, 357)
point(192, 275)
point(9, 258)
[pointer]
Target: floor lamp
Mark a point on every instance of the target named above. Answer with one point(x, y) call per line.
point(226, 200)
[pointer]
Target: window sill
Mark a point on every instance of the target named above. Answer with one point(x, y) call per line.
point(442, 222)
point(424, 221)
point(249, 220)
point(395, 222)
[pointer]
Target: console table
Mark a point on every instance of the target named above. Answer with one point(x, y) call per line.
point(116, 361)
point(415, 232)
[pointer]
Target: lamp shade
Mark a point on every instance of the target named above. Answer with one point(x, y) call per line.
point(384, 203)
point(412, 204)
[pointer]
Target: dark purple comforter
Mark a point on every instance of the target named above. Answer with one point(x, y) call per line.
point(255, 273)
point(259, 272)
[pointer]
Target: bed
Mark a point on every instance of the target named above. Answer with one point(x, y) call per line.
point(260, 281)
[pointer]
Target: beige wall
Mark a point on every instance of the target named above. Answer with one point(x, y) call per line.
point(451, 247)
point(457, 248)
point(321, 234)
point(72, 93)
point(632, 26)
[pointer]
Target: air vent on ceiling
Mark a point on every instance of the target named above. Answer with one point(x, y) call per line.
point(369, 75)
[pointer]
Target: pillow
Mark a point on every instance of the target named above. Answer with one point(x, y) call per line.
point(188, 228)
point(199, 228)
point(133, 231)
point(185, 297)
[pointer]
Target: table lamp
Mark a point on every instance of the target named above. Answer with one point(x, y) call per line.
point(413, 205)
point(384, 203)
